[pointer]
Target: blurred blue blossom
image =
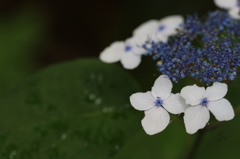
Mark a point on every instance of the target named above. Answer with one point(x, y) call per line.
point(204, 48)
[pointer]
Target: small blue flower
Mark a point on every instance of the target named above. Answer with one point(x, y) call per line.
point(204, 101)
point(158, 102)
point(206, 49)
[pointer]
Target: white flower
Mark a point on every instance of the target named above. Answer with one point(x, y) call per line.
point(127, 52)
point(154, 104)
point(226, 4)
point(231, 5)
point(159, 30)
point(202, 101)
point(234, 12)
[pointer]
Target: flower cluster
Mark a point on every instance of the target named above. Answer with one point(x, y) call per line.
point(195, 102)
point(206, 49)
point(129, 52)
point(233, 7)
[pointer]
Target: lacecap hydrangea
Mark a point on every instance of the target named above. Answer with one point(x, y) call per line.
point(204, 49)
point(207, 49)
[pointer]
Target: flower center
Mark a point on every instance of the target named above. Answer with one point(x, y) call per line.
point(161, 28)
point(128, 48)
point(158, 102)
point(238, 4)
point(204, 101)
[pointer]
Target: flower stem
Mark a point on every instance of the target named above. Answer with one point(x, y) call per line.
point(218, 123)
point(193, 151)
point(195, 81)
point(238, 70)
point(176, 119)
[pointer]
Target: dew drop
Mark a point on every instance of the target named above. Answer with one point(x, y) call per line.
point(107, 109)
point(12, 154)
point(92, 96)
point(64, 136)
point(92, 76)
point(117, 147)
point(100, 78)
point(53, 145)
point(98, 101)
point(86, 144)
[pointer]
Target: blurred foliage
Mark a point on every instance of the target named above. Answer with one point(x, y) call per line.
point(167, 144)
point(74, 110)
point(19, 35)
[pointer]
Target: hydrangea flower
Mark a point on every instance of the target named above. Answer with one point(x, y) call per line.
point(226, 4)
point(206, 49)
point(233, 7)
point(159, 30)
point(156, 104)
point(234, 12)
point(202, 101)
point(127, 52)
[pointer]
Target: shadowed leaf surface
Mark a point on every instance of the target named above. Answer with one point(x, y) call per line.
point(224, 141)
point(76, 110)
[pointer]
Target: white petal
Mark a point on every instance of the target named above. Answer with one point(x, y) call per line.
point(130, 60)
point(138, 50)
point(136, 43)
point(155, 120)
point(113, 53)
point(192, 94)
point(171, 23)
point(142, 101)
point(175, 104)
point(216, 91)
point(221, 109)
point(159, 37)
point(196, 117)
point(225, 4)
point(136, 40)
point(146, 28)
point(234, 13)
point(162, 87)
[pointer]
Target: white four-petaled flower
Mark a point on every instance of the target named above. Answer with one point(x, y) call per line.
point(202, 101)
point(233, 7)
point(159, 30)
point(127, 52)
point(155, 104)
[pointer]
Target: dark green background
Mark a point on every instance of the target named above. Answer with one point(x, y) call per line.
point(38, 33)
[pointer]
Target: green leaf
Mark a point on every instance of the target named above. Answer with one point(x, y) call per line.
point(224, 141)
point(74, 110)
point(221, 143)
point(172, 143)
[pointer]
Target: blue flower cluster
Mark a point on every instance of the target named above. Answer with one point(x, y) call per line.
point(207, 49)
